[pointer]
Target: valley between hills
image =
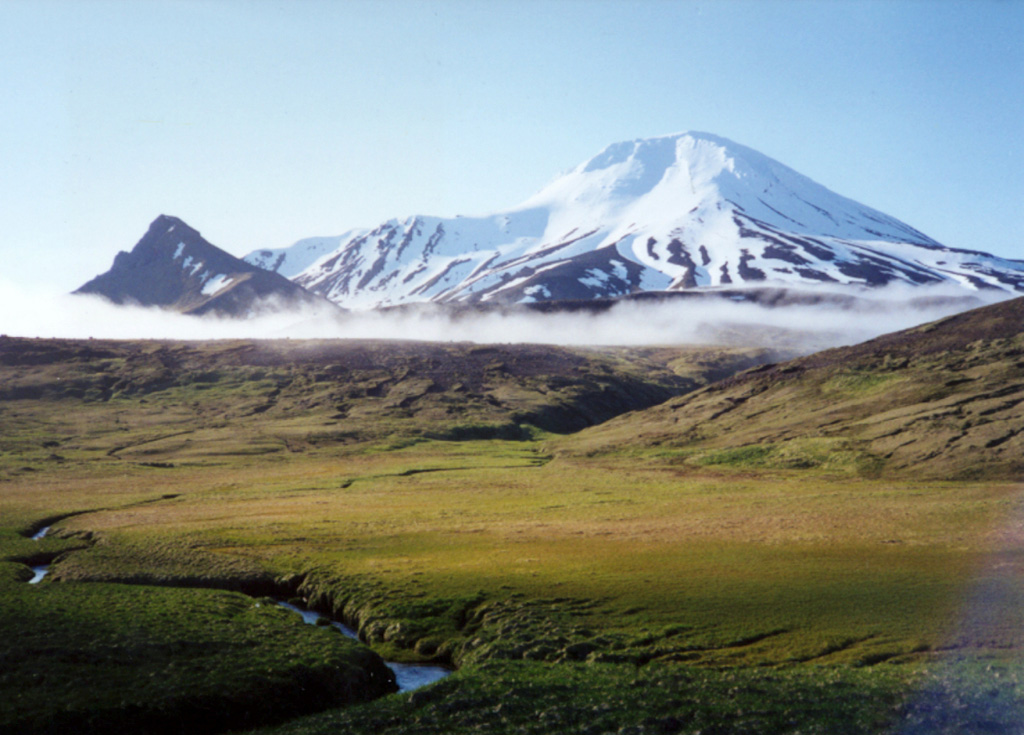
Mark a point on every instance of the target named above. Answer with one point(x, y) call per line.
point(601, 540)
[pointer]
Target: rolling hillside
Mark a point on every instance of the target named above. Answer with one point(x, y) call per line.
point(154, 400)
point(943, 399)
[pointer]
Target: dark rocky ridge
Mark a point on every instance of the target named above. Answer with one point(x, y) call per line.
point(175, 268)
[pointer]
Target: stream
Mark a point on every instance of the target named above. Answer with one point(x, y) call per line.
point(41, 570)
point(407, 676)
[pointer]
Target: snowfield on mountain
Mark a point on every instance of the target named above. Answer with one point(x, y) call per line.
point(684, 211)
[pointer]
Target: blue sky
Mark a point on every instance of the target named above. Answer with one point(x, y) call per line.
point(262, 122)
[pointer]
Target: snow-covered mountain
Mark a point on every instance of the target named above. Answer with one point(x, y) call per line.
point(292, 260)
point(173, 267)
point(679, 212)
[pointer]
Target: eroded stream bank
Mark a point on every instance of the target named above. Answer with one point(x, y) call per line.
point(407, 676)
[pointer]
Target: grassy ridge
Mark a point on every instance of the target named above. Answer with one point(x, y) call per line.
point(940, 401)
point(153, 401)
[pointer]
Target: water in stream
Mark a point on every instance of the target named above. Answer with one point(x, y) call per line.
point(407, 676)
point(41, 570)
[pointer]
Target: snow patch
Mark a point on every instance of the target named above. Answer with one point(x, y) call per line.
point(535, 293)
point(216, 283)
point(595, 278)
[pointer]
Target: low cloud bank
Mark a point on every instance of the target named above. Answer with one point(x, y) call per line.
point(803, 327)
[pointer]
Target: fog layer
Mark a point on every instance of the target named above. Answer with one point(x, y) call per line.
point(799, 327)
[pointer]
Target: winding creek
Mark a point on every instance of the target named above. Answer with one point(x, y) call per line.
point(407, 676)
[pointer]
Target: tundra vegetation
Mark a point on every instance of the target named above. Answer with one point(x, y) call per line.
point(603, 540)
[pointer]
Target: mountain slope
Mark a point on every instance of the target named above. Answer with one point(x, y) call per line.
point(172, 266)
point(942, 400)
point(292, 260)
point(684, 211)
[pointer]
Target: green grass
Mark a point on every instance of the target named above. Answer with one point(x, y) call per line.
point(753, 580)
point(825, 454)
point(851, 383)
point(105, 658)
point(749, 456)
point(518, 697)
point(897, 407)
point(793, 563)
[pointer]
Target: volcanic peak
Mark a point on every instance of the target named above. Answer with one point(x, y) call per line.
point(678, 212)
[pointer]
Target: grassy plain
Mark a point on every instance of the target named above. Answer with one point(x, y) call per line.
point(655, 561)
point(527, 697)
point(580, 585)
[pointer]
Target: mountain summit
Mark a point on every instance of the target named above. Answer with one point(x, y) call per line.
point(173, 267)
point(679, 212)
